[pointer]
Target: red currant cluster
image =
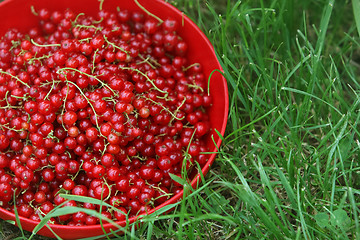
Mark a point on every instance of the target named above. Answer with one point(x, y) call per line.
point(105, 107)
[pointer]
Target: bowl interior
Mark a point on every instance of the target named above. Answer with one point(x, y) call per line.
point(17, 14)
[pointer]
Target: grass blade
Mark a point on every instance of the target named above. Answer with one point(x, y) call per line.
point(356, 9)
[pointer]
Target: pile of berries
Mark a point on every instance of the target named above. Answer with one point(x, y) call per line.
point(104, 106)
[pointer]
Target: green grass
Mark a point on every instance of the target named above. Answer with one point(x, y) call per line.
point(288, 167)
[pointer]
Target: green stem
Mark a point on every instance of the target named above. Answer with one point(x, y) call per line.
point(87, 27)
point(192, 65)
point(93, 62)
point(33, 10)
point(52, 87)
point(45, 45)
point(195, 86)
point(147, 78)
point(101, 4)
point(31, 60)
point(16, 130)
point(178, 108)
point(80, 14)
point(84, 39)
point(159, 104)
point(63, 109)
point(114, 45)
point(148, 61)
point(92, 107)
point(147, 11)
point(88, 75)
point(12, 76)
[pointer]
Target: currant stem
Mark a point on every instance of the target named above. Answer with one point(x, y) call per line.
point(147, 78)
point(88, 75)
point(92, 107)
point(110, 99)
point(14, 44)
point(31, 60)
point(84, 39)
point(153, 61)
point(12, 76)
point(114, 45)
point(178, 108)
point(160, 190)
point(103, 152)
point(45, 45)
point(24, 97)
point(4, 126)
point(51, 136)
point(48, 83)
point(192, 65)
point(149, 13)
point(114, 30)
point(52, 87)
point(159, 104)
point(101, 5)
point(105, 182)
point(7, 102)
point(195, 86)
point(63, 109)
point(87, 27)
point(33, 10)
point(127, 120)
point(145, 60)
point(77, 173)
point(75, 20)
point(99, 21)
point(93, 61)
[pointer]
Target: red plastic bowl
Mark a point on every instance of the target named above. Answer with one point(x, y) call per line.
point(17, 14)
